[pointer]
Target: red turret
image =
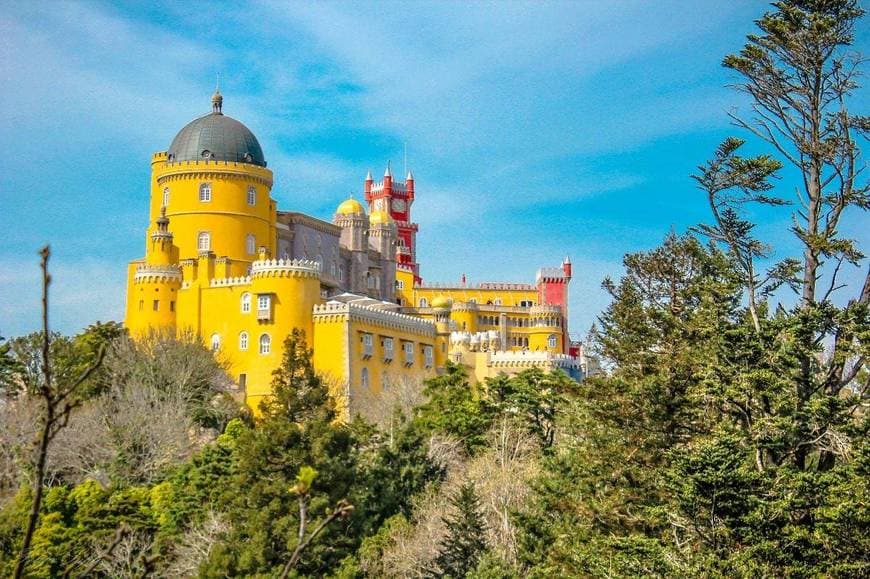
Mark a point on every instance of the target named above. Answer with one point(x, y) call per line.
point(409, 185)
point(368, 185)
point(388, 179)
point(566, 267)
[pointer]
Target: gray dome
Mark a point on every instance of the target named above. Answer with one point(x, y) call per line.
point(216, 137)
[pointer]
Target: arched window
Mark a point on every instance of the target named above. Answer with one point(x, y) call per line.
point(364, 378)
point(424, 303)
point(251, 244)
point(243, 341)
point(552, 341)
point(265, 344)
point(246, 303)
point(203, 241)
point(215, 342)
point(252, 195)
point(497, 301)
point(205, 192)
point(166, 196)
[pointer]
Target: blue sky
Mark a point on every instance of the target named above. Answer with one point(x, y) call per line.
point(534, 130)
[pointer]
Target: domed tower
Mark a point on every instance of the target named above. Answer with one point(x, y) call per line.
point(351, 217)
point(214, 185)
point(382, 238)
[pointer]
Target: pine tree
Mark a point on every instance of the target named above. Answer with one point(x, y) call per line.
point(465, 542)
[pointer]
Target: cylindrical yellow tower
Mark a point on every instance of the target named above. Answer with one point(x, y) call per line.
point(153, 293)
point(546, 331)
point(284, 293)
point(214, 185)
point(441, 309)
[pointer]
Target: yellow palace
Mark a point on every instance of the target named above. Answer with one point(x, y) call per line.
point(223, 262)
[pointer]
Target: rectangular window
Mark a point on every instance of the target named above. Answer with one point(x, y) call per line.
point(205, 192)
point(408, 347)
point(156, 305)
point(367, 345)
point(264, 307)
point(252, 196)
point(171, 306)
point(427, 356)
point(388, 348)
point(243, 379)
point(400, 284)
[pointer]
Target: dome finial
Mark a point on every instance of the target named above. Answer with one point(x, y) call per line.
point(217, 100)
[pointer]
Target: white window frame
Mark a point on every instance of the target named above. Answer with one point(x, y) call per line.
point(428, 356)
point(246, 303)
point(265, 344)
point(203, 236)
point(552, 341)
point(496, 302)
point(367, 343)
point(251, 244)
point(166, 196)
point(424, 303)
point(215, 342)
point(408, 348)
point(387, 344)
point(400, 284)
point(205, 192)
point(243, 341)
point(264, 302)
point(252, 195)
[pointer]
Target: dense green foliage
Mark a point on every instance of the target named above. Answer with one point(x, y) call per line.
point(728, 436)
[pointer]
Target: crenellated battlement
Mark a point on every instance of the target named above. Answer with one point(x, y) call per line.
point(230, 281)
point(157, 273)
point(514, 358)
point(333, 310)
point(481, 286)
point(285, 268)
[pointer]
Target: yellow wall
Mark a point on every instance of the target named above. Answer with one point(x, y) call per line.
point(508, 297)
point(339, 357)
point(228, 218)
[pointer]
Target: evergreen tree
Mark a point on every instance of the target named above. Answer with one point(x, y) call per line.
point(465, 542)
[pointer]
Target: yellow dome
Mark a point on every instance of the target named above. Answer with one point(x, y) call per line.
point(350, 207)
point(440, 302)
point(379, 217)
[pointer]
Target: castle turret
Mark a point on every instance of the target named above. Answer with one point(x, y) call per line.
point(382, 238)
point(441, 310)
point(351, 217)
point(153, 291)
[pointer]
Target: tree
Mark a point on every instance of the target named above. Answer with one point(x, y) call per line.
point(800, 77)
point(465, 542)
point(59, 399)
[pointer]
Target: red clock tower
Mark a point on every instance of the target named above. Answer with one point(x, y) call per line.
point(396, 198)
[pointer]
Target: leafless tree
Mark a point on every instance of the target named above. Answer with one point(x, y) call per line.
point(196, 545)
point(59, 399)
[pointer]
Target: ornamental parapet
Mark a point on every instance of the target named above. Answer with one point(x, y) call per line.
point(230, 281)
point(551, 274)
point(337, 311)
point(162, 273)
point(513, 358)
point(285, 268)
point(480, 286)
point(545, 310)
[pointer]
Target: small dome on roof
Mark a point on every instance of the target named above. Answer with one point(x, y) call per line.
point(350, 207)
point(440, 302)
point(380, 217)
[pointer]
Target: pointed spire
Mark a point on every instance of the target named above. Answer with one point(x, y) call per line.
point(388, 172)
point(410, 176)
point(567, 260)
point(369, 176)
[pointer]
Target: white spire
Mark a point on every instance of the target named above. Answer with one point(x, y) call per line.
point(410, 176)
point(388, 172)
point(369, 176)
